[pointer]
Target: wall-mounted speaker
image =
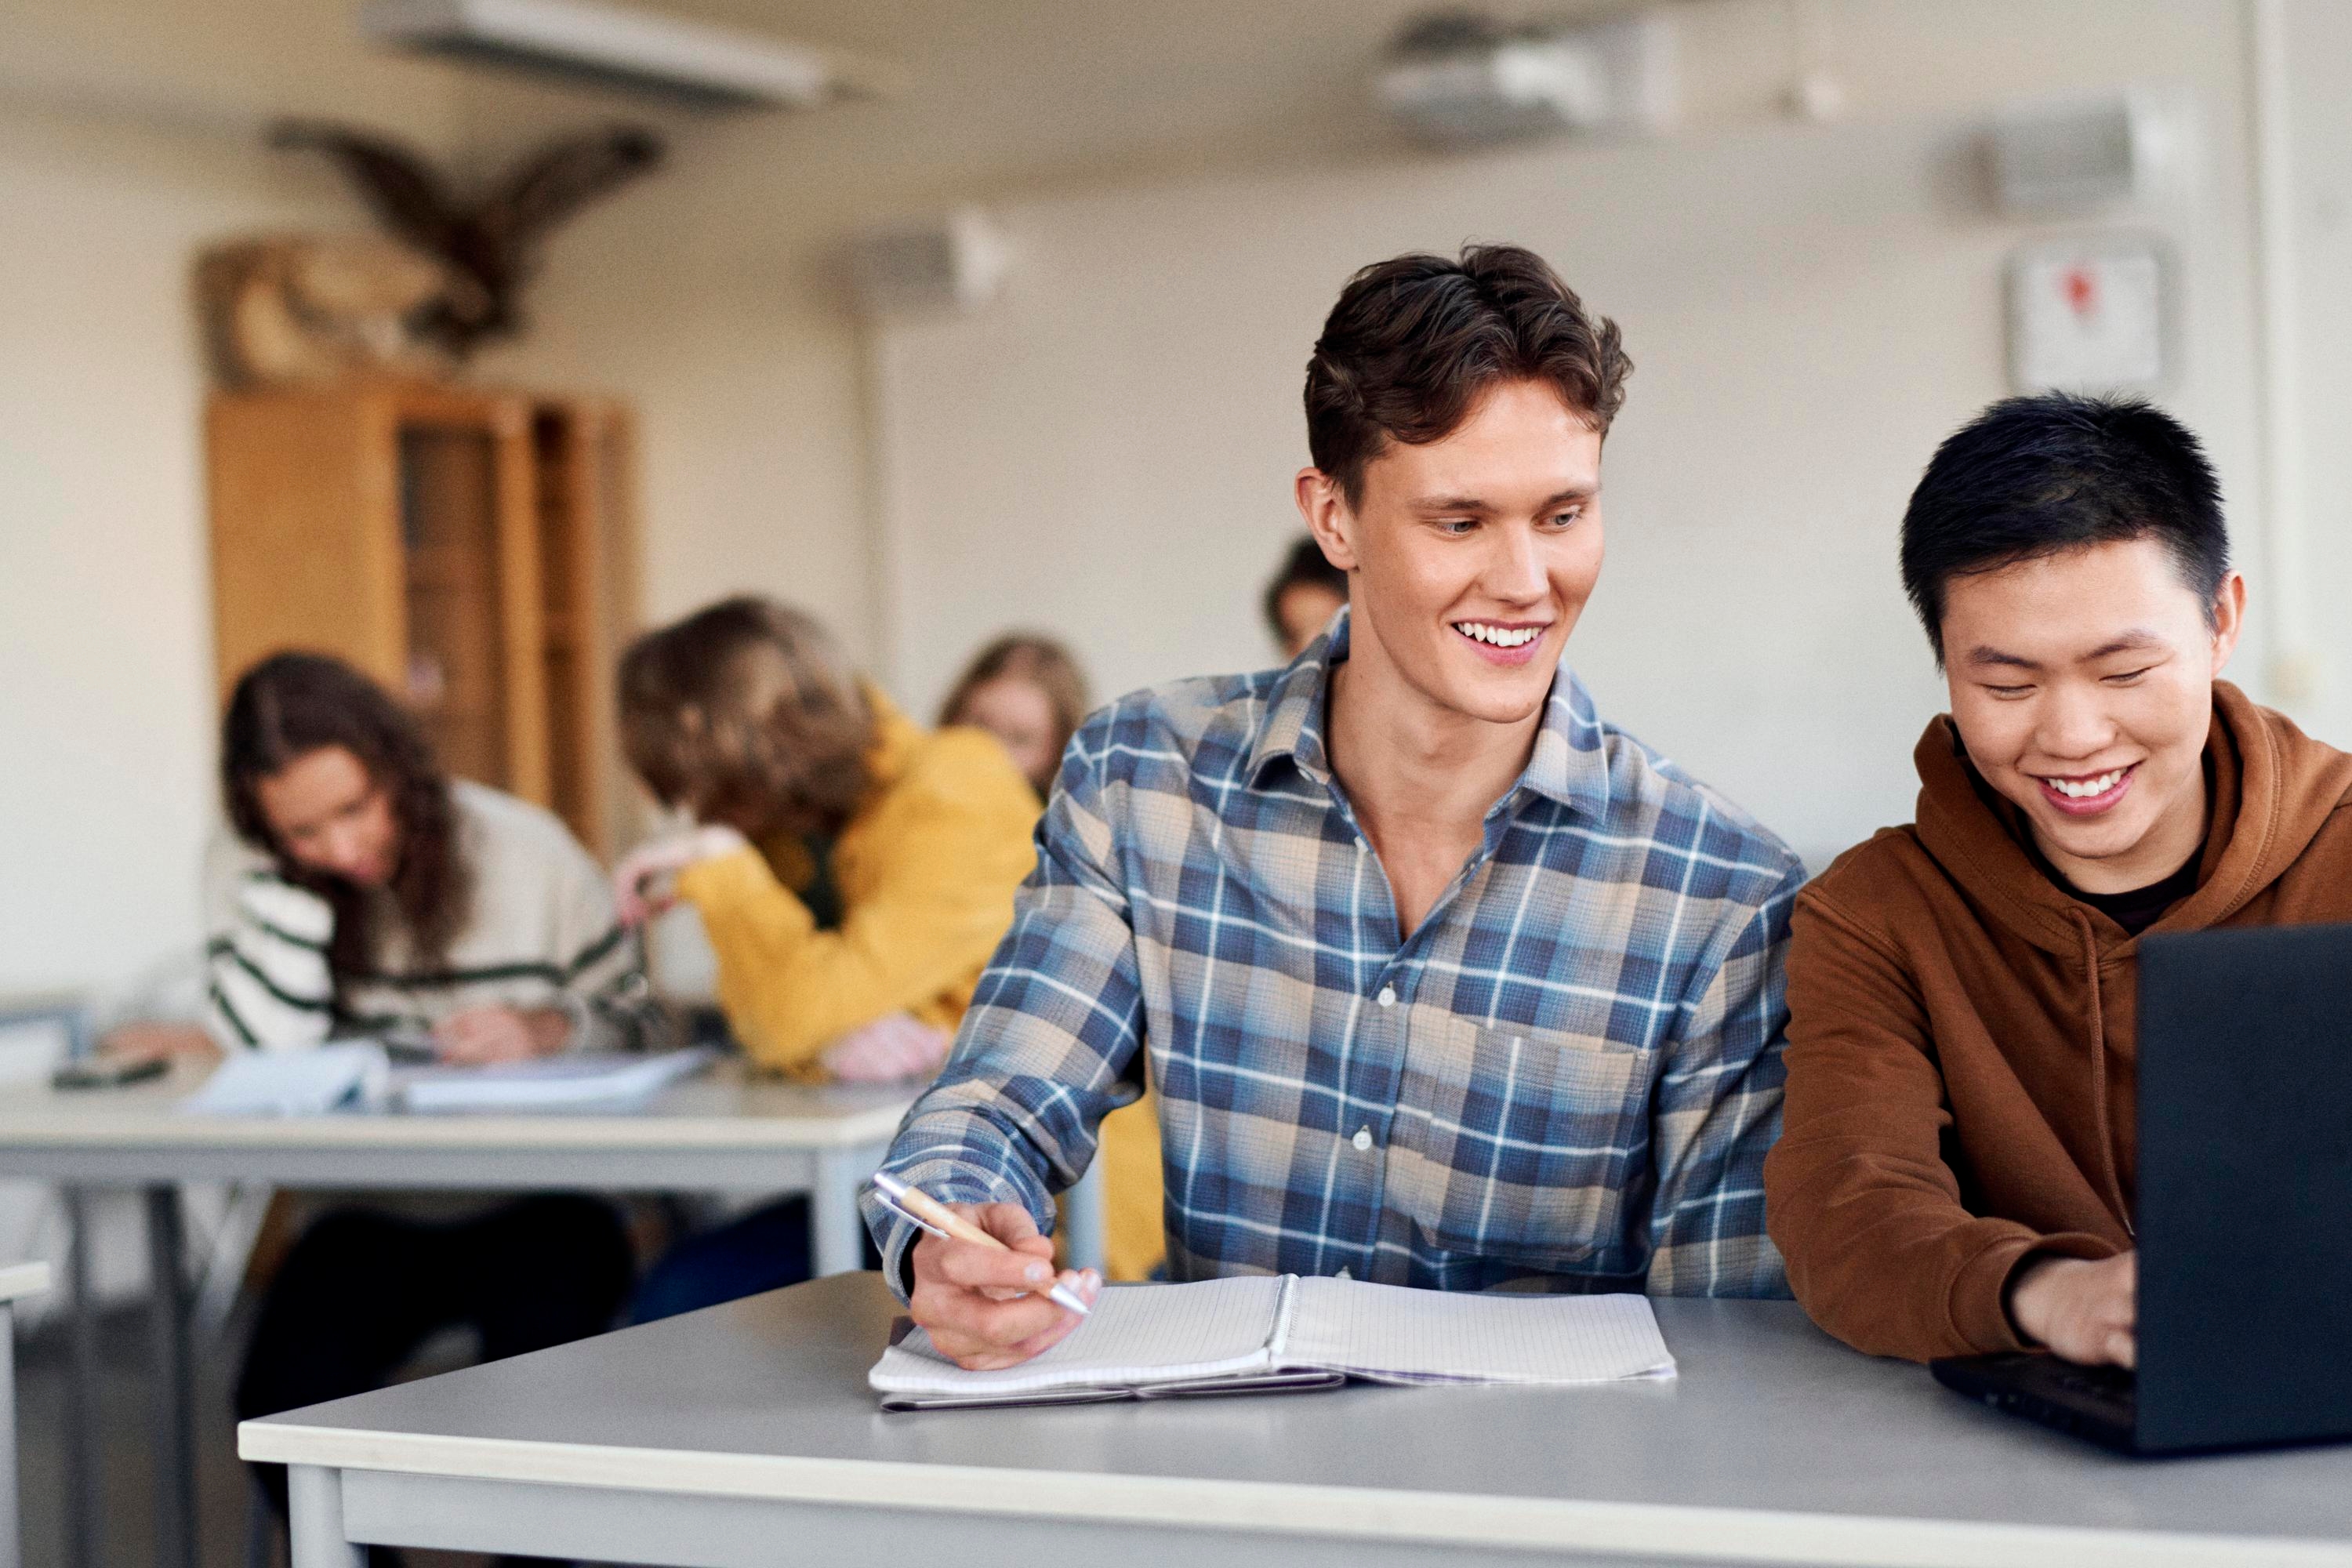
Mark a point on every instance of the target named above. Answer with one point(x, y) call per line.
point(953, 261)
point(2076, 157)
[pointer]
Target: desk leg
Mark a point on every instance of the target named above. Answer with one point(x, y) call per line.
point(175, 1440)
point(82, 1489)
point(11, 1550)
point(315, 1519)
point(1082, 1219)
point(840, 1234)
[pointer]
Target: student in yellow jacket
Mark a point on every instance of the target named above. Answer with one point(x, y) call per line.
point(850, 868)
point(852, 873)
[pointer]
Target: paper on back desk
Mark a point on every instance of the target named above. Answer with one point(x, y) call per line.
point(591, 1079)
point(1392, 1334)
point(305, 1082)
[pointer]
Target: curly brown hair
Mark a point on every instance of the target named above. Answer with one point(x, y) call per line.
point(1415, 343)
point(746, 713)
point(292, 704)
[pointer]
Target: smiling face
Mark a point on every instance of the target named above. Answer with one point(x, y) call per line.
point(330, 817)
point(1470, 557)
point(2082, 685)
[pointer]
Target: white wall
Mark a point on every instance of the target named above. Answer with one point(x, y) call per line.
point(1129, 413)
point(744, 373)
point(1106, 450)
point(105, 632)
point(2319, 35)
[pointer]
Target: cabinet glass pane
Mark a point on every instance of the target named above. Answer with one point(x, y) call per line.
point(571, 725)
point(449, 525)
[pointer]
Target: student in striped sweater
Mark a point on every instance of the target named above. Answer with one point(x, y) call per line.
point(366, 892)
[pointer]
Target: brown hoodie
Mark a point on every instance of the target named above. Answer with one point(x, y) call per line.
point(1962, 1042)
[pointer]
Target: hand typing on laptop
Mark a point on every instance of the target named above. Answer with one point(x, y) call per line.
point(2083, 1309)
point(986, 1307)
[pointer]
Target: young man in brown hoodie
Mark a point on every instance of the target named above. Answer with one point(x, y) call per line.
point(1957, 1169)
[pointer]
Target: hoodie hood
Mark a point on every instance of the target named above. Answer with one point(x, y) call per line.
point(2271, 790)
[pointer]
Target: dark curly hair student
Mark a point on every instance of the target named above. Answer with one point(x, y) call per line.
point(291, 705)
point(359, 889)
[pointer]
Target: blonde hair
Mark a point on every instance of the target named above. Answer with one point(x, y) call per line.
point(1038, 660)
point(747, 713)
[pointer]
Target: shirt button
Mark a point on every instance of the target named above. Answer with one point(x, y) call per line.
point(1343, 1274)
point(1387, 997)
point(1363, 1139)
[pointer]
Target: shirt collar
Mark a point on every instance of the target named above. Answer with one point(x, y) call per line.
point(1567, 765)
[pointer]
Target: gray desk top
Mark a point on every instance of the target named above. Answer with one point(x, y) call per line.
point(727, 1128)
point(1775, 1444)
point(728, 1107)
point(55, 1003)
point(20, 1279)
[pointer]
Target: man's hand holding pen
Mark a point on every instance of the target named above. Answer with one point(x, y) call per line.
point(986, 1306)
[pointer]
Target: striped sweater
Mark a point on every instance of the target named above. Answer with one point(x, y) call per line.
point(541, 933)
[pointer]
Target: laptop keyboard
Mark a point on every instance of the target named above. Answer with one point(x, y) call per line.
point(2105, 1382)
point(2111, 1381)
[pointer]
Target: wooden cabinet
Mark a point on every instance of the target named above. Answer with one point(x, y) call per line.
point(472, 549)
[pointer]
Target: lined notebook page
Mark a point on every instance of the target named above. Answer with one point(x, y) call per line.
point(1136, 1334)
point(1391, 1334)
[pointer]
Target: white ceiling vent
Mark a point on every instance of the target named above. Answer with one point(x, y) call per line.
point(694, 63)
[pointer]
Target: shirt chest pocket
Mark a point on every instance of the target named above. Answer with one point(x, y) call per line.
point(1521, 1144)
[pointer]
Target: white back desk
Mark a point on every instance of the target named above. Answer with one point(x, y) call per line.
point(745, 1435)
point(728, 1129)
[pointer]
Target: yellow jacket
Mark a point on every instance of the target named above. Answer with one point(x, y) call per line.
point(1135, 1229)
point(925, 871)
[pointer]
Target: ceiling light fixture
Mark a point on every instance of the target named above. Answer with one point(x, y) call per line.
point(697, 64)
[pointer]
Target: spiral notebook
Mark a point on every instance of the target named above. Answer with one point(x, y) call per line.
point(1262, 1333)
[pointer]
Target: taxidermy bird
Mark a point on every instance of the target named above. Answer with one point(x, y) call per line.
point(491, 243)
point(292, 308)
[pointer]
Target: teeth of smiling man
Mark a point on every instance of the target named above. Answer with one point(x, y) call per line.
point(1501, 637)
point(2086, 788)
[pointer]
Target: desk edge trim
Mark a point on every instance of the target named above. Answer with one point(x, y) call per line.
point(1711, 1533)
point(155, 1136)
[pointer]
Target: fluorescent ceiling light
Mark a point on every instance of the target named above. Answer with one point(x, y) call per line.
point(692, 62)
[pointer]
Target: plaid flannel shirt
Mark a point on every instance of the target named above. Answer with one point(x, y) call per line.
point(1566, 1079)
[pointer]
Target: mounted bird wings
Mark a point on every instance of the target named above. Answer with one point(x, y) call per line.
point(492, 242)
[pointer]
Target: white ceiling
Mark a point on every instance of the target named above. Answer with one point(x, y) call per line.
point(999, 93)
point(1049, 87)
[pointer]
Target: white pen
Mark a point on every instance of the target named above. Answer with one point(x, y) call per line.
point(924, 1212)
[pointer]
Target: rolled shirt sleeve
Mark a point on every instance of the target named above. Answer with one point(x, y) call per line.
point(1043, 1051)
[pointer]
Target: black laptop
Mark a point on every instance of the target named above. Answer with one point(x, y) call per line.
point(2245, 1208)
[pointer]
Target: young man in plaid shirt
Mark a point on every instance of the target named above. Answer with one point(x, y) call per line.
point(1442, 981)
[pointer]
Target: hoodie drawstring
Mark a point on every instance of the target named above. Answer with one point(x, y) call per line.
point(2102, 1126)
